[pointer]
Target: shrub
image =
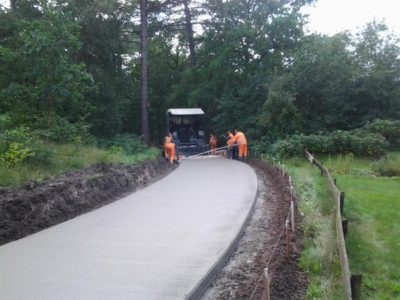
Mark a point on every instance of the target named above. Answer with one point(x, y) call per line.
point(6, 122)
point(370, 144)
point(127, 143)
point(16, 153)
point(390, 130)
point(263, 145)
point(60, 130)
point(386, 167)
point(19, 145)
point(337, 142)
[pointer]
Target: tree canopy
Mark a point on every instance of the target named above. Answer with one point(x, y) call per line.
point(247, 64)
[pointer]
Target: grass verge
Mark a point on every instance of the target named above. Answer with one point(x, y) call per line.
point(66, 158)
point(372, 206)
point(320, 257)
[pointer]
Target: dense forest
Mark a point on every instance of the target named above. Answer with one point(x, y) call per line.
point(98, 68)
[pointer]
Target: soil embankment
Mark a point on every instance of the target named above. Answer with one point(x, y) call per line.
point(37, 206)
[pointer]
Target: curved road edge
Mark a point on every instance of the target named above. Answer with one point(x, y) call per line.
point(203, 284)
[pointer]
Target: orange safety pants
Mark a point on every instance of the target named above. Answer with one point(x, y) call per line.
point(170, 152)
point(242, 150)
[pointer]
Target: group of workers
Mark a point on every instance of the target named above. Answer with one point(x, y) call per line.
point(236, 146)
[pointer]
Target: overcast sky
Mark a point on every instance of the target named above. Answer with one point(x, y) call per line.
point(333, 16)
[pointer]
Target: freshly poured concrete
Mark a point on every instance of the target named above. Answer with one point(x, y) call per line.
point(157, 243)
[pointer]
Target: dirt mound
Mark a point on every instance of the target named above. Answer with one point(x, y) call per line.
point(240, 278)
point(37, 206)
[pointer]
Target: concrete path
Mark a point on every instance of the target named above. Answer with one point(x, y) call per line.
point(157, 243)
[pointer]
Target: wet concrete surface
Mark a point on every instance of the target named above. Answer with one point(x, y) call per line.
point(157, 243)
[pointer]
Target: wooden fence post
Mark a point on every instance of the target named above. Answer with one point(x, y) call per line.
point(341, 202)
point(292, 213)
point(287, 238)
point(345, 224)
point(356, 281)
point(266, 285)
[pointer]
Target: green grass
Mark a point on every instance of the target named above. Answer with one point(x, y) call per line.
point(320, 257)
point(372, 206)
point(66, 158)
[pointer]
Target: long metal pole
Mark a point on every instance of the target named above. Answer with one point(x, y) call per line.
point(199, 154)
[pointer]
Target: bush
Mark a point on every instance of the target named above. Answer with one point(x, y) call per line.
point(6, 122)
point(370, 144)
point(390, 130)
point(127, 143)
point(262, 146)
point(16, 153)
point(19, 145)
point(386, 167)
point(337, 142)
point(59, 130)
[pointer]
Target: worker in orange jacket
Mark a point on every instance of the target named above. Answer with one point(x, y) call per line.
point(169, 148)
point(241, 141)
point(230, 141)
point(213, 143)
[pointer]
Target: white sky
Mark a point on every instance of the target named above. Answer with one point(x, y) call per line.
point(332, 16)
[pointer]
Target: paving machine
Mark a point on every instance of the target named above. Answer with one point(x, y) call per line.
point(186, 126)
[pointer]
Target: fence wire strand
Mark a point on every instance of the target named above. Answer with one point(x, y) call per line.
point(274, 249)
point(272, 254)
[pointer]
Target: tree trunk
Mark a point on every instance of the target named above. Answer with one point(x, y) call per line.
point(13, 4)
point(189, 30)
point(144, 93)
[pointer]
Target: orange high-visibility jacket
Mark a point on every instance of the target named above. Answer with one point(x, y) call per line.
point(240, 138)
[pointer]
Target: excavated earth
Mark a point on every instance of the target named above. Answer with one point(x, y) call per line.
point(36, 206)
point(263, 244)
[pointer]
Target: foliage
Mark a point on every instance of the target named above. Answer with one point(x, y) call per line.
point(65, 158)
point(19, 145)
point(387, 128)
point(105, 35)
point(15, 153)
point(372, 140)
point(76, 65)
point(44, 81)
point(319, 257)
point(279, 112)
point(361, 142)
point(389, 165)
point(58, 129)
point(129, 144)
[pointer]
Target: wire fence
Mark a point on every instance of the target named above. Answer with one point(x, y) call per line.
point(351, 283)
point(289, 225)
